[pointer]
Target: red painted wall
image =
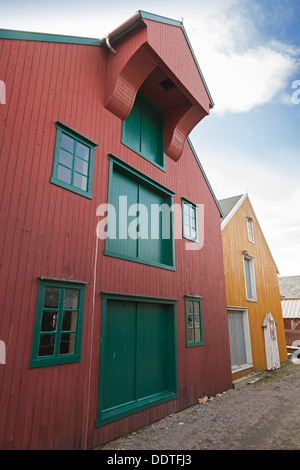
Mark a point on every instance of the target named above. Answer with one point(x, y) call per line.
point(49, 231)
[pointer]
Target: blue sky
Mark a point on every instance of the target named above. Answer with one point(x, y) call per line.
point(249, 53)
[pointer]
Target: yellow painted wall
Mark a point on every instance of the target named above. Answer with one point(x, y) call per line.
point(235, 240)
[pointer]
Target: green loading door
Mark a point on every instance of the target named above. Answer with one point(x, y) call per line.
point(141, 222)
point(119, 364)
point(138, 356)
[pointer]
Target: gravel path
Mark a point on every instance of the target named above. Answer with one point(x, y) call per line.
point(260, 416)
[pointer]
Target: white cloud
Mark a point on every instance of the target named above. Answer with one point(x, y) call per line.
point(241, 81)
point(275, 198)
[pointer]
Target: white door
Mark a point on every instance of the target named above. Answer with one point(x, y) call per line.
point(271, 344)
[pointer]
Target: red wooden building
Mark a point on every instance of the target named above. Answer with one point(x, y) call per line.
point(113, 308)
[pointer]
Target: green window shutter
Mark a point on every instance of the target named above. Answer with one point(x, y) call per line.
point(58, 323)
point(194, 329)
point(143, 131)
point(143, 227)
point(131, 132)
point(73, 161)
point(158, 246)
point(137, 335)
point(127, 188)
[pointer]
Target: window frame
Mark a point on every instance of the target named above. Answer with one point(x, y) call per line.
point(62, 129)
point(141, 101)
point(250, 259)
point(195, 342)
point(57, 357)
point(250, 229)
point(186, 202)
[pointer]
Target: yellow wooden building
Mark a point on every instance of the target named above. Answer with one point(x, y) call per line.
point(256, 330)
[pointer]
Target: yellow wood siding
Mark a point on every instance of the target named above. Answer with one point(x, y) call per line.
point(235, 241)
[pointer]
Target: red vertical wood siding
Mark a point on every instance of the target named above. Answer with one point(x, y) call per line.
point(49, 231)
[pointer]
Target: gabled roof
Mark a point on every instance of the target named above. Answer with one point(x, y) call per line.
point(137, 19)
point(152, 54)
point(205, 178)
point(229, 207)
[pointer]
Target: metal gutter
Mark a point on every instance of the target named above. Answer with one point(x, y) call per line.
point(45, 37)
point(121, 30)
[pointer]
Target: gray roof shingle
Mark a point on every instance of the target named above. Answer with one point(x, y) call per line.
point(228, 204)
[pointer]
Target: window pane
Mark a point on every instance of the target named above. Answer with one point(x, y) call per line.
point(197, 334)
point(82, 151)
point(196, 308)
point(69, 321)
point(49, 320)
point(67, 143)
point(248, 278)
point(66, 158)
point(64, 174)
point(51, 298)
point(190, 306)
point(197, 321)
point(80, 181)
point(190, 335)
point(81, 166)
point(46, 346)
point(71, 298)
point(67, 343)
point(190, 323)
point(186, 229)
point(186, 209)
point(186, 219)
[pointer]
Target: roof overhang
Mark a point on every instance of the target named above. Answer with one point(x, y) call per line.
point(152, 54)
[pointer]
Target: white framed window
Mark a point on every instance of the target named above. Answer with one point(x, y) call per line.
point(249, 278)
point(250, 229)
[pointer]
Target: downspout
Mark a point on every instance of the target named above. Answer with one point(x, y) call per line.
point(109, 46)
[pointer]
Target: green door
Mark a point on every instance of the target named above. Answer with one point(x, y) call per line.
point(138, 366)
point(152, 360)
point(120, 348)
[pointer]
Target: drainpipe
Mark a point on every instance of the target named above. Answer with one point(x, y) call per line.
point(120, 31)
point(109, 46)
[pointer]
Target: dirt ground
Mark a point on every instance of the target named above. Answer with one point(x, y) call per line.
point(264, 415)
